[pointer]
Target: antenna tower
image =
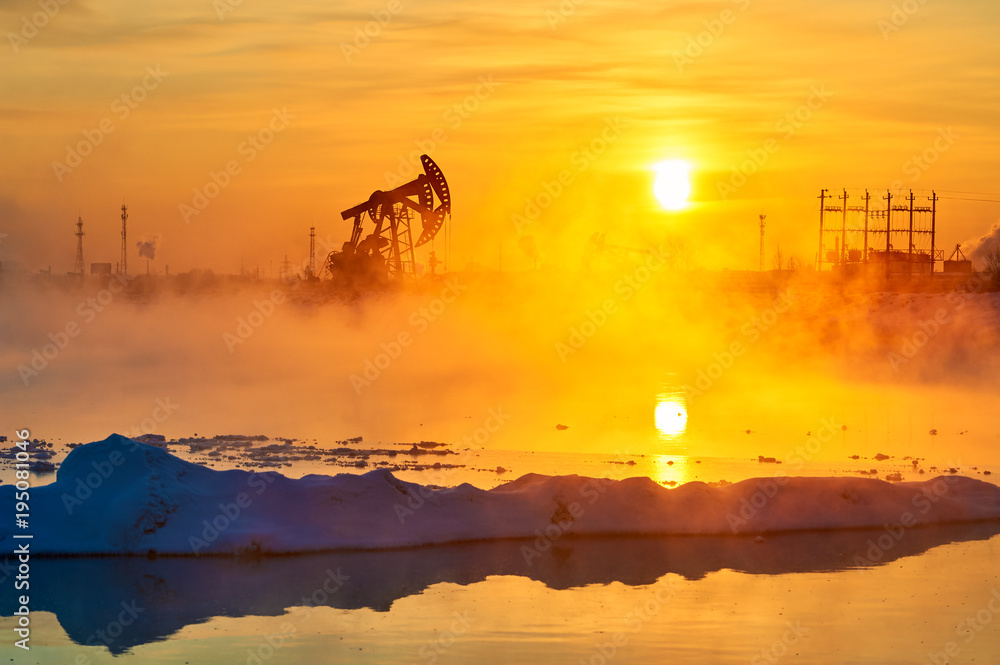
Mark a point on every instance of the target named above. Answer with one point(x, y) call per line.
point(312, 251)
point(762, 218)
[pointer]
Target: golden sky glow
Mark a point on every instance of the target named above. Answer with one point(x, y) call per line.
point(289, 113)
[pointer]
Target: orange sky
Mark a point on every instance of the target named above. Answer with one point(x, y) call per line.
point(551, 79)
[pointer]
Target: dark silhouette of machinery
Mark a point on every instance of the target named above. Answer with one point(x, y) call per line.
point(388, 249)
point(958, 263)
point(599, 254)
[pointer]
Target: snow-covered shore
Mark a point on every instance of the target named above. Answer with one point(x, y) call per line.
point(119, 496)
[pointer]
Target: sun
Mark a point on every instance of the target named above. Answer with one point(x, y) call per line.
point(671, 416)
point(672, 186)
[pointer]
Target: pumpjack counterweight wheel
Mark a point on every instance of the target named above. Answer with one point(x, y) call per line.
point(433, 222)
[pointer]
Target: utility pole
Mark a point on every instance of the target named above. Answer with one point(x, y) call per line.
point(888, 233)
point(910, 251)
point(822, 206)
point(843, 233)
point(124, 262)
point(868, 198)
point(934, 199)
point(762, 218)
point(312, 252)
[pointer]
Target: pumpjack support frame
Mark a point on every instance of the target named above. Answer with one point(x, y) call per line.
point(390, 246)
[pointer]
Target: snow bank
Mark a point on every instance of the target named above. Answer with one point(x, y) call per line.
point(119, 496)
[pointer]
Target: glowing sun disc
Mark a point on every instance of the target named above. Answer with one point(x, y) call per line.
point(672, 186)
point(671, 416)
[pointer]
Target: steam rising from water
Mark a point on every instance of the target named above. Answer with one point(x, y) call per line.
point(977, 249)
point(595, 352)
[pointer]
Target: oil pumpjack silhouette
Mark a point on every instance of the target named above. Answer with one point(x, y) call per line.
point(388, 250)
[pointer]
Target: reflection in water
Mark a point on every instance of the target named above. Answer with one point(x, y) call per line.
point(164, 595)
point(672, 470)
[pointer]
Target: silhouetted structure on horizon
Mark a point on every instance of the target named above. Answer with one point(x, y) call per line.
point(867, 237)
point(78, 264)
point(388, 250)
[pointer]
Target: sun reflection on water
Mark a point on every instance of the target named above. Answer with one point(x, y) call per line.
point(671, 416)
point(672, 470)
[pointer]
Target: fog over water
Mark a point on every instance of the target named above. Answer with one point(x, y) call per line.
point(630, 358)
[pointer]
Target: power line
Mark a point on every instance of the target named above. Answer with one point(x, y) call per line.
point(958, 198)
point(953, 191)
